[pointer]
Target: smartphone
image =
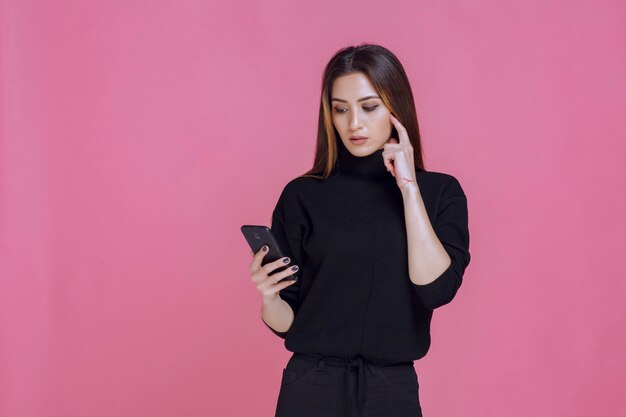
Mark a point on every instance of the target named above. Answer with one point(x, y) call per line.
point(257, 236)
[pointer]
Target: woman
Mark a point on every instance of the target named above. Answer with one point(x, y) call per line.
point(377, 242)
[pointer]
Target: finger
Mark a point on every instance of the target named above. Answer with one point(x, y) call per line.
point(404, 137)
point(258, 258)
point(273, 289)
point(387, 157)
point(270, 267)
point(274, 278)
point(390, 166)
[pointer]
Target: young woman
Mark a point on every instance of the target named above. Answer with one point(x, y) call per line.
point(377, 242)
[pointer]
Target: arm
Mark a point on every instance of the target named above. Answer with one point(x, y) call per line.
point(279, 314)
point(437, 255)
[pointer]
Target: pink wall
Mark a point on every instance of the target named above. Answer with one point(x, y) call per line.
point(137, 136)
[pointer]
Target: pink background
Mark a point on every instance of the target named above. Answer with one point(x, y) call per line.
point(138, 136)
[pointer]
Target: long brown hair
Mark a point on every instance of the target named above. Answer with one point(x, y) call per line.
point(387, 75)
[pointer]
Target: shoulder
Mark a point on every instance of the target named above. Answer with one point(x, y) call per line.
point(290, 206)
point(299, 185)
point(300, 182)
point(293, 191)
point(439, 183)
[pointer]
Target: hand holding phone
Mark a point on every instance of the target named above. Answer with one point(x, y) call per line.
point(279, 273)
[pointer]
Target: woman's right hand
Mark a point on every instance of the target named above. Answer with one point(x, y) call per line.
point(267, 285)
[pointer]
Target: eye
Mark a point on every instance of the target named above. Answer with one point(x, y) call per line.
point(366, 108)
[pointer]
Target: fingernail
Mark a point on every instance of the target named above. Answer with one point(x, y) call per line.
point(286, 260)
point(294, 268)
point(264, 248)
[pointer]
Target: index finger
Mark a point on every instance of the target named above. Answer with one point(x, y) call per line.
point(404, 137)
point(258, 257)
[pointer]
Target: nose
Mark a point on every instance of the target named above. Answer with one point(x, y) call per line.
point(355, 122)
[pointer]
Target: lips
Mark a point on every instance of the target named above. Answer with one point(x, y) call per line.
point(358, 140)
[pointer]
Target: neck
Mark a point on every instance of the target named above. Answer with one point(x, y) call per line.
point(370, 166)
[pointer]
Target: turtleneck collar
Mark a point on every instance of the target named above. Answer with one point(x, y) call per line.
point(371, 166)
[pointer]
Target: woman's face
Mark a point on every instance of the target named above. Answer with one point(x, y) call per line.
point(357, 110)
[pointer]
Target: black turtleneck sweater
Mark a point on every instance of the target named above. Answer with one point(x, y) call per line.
point(348, 235)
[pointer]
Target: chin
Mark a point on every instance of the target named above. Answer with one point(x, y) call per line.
point(360, 150)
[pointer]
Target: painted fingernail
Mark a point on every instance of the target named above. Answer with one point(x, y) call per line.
point(264, 248)
point(294, 268)
point(286, 260)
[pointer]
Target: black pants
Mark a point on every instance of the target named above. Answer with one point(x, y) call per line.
point(315, 385)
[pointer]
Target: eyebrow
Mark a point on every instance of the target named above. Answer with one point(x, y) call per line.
point(345, 101)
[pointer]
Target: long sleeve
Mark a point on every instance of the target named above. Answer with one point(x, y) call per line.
point(286, 230)
point(451, 227)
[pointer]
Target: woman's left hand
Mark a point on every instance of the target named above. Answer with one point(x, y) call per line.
point(398, 157)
